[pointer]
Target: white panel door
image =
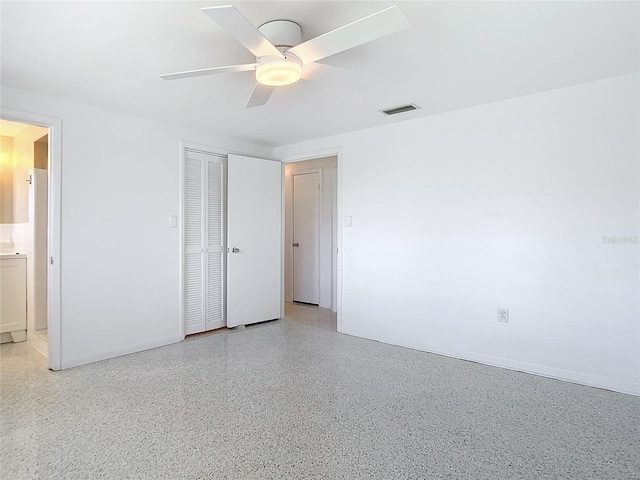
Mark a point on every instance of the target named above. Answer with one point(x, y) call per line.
point(254, 262)
point(306, 238)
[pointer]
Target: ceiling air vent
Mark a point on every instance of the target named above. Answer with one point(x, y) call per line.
point(402, 109)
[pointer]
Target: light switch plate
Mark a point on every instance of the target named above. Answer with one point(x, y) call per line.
point(173, 221)
point(347, 221)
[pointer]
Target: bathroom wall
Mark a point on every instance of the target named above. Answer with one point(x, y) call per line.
point(6, 180)
point(16, 160)
point(6, 238)
point(23, 213)
point(23, 154)
point(22, 236)
point(31, 238)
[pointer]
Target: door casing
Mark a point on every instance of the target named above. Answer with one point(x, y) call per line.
point(312, 155)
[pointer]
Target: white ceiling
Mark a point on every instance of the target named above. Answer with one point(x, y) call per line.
point(454, 55)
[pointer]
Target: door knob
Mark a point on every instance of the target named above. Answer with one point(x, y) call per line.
point(235, 250)
point(296, 244)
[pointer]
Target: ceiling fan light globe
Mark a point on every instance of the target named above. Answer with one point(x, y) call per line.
point(278, 73)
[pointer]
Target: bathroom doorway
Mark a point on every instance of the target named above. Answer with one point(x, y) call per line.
point(24, 232)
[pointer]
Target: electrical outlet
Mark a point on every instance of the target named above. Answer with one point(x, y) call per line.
point(503, 315)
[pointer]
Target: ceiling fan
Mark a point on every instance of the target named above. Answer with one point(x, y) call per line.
point(280, 55)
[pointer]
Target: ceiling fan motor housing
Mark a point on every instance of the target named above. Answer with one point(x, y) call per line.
point(282, 33)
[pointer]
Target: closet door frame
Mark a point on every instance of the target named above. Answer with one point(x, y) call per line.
point(184, 146)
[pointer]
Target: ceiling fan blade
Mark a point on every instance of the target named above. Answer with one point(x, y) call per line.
point(209, 71)
point(342, 77)
point(260, 95)
point(356, 33)
point(236, 24)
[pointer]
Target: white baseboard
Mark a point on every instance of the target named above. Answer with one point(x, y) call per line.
point(580, 378)
point(118, 352)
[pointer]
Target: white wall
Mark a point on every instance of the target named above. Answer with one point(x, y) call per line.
point(328, 168)
point(120, 259)
point(503, 205)
point(24, 228)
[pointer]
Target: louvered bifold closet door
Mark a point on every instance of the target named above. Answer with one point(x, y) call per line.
point(204, 241)
point(193, 262)
point(215, 235)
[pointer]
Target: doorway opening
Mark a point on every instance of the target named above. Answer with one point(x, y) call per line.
point(54, 263)
point(311, 232)
point(24, 232)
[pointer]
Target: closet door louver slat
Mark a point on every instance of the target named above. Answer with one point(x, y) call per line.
point(194, 311)
point(214, 204)
point(215, 318)
point(193, 203)
point(215, 216)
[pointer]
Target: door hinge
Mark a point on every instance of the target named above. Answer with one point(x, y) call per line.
point(51, 260)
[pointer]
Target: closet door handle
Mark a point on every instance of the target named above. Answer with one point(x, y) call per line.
point(296, 244)
point(235, 250)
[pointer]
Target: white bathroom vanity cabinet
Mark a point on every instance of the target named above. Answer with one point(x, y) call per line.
point(13, 298)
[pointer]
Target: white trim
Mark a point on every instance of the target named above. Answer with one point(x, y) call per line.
point(181, 246)
point(283, 239)
point(329, 152)
point(54, 294)
point(320, 231)
point(203, 148)
point(314, 155)
point(118, 352)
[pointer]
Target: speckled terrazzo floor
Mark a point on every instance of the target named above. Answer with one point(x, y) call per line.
point(293, 399)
